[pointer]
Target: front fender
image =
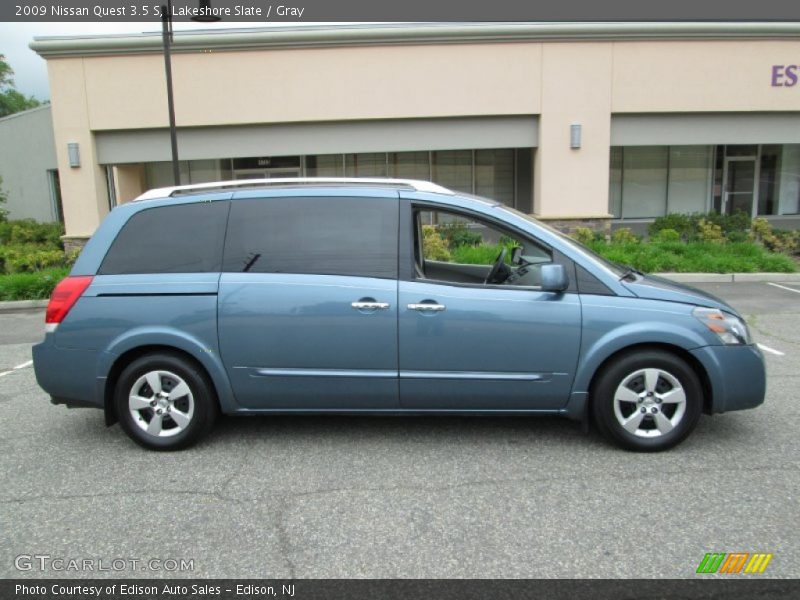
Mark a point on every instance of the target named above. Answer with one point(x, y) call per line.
point(613, 324)
point(172, 338)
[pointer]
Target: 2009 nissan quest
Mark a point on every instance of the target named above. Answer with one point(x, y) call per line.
point(377, 297)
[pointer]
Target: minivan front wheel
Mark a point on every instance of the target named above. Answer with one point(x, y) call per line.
point(164, 402)
point(647, 401)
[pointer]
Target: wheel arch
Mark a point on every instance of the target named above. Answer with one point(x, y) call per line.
point(685, 355)
point(223, 396)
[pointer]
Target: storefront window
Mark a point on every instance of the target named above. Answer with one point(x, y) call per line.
point(615, 183)
point(644, 181)
point(159, 174)
point(453, 169)
point(369, 164)
point(409, 165)
point(503, 174)
point(651, 181)
point(769, 180)
point(324, 165)
point(789, 181)
point(494, 175)
point(689, 183)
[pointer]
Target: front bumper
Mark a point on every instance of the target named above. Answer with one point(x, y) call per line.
point(737, 375)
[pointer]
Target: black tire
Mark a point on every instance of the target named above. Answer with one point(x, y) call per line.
point(201, 399)
point(624, 369)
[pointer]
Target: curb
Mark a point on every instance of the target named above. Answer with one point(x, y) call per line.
point(731, 277)
point(16, 305)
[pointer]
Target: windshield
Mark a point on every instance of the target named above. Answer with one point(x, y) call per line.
point(616, 268)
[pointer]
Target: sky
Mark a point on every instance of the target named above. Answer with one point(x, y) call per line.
point(30, 70)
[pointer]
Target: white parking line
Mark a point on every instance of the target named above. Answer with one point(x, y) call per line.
point(783, 287)
point(17, 368)
point(771, 350)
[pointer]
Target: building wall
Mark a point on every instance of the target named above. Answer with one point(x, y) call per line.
point(27, 152)
point(559, 83)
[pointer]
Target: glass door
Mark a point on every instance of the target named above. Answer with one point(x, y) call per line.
point(739, 178)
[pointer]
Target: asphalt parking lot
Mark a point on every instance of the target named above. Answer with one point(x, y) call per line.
point(405, 497)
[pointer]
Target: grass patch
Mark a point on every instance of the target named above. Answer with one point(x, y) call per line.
point(31, 286)
point(696, 257)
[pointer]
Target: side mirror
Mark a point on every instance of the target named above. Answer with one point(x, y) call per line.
point(554, 278)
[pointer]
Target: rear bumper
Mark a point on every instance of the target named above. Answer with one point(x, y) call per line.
point(68, 375)
point(737, 375)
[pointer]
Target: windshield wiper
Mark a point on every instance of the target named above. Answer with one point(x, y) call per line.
point(251, 261)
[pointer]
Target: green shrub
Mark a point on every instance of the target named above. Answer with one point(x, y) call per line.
point(688, 226)
point(30, 286)
point(787, 242)
point(457, 233)
point(434, 245)
point(624, 236)
point(736, 237)
point(738, 221)
point(685, 225)
point(584, 235)
point(700, 257)
point(28, 231)
point(667, 235)
point(708, 231)
point(22, 258)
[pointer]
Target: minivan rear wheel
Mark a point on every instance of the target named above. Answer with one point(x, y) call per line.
point(647, 401)
point(165, 402)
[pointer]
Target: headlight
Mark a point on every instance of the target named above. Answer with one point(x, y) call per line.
point(730, 329)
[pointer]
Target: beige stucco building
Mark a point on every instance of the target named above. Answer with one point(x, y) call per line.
point(571, 122)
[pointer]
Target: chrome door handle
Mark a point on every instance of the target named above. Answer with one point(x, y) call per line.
point(427, 307)
point(370, 305)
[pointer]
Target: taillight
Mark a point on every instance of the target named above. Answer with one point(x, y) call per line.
point(63, 299)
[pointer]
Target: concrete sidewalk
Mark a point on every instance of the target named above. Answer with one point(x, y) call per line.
point(732, 277)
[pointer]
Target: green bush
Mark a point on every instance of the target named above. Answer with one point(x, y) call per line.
point(710, 232)
point(787, 242)
point(700, 257)
point(683, 224)
point(28, 231)
point(585, 235)
point(26, 258)
point(457, 233)
point(688, 226)
point(30, 286)
point(434, 245)
point(738, 221)
point(667, 235)
point(624, 236)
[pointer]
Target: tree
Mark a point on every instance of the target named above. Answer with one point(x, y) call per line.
point(11, 100)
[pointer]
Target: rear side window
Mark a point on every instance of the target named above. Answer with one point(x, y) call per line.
point(322, 236)
point(186, 238)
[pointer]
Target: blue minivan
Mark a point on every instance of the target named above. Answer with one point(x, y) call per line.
point(377, 296)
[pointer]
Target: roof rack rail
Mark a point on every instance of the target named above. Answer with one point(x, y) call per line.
point(238, 184)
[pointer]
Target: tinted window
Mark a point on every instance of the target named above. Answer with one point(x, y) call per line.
point(324, 236)
point(186, 238)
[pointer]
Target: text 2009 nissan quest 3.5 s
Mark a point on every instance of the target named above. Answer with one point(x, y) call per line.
point(377, 296)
